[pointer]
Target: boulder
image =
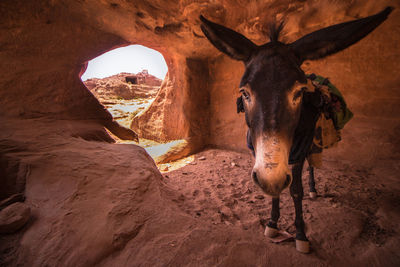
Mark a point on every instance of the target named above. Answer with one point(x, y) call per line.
point(14, 217)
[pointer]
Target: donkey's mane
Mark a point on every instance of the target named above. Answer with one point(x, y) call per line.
point(275, 29)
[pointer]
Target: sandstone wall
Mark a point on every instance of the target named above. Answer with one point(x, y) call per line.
point(46, 44)
point(366, 73)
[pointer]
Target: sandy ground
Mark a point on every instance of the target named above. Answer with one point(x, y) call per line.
point(354, 218)
point(107, 205)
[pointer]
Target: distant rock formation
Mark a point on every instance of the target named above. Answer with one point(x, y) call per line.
point(125, 94)
point(125, 86)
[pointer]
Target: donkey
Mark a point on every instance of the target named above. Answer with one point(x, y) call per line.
point(280, 115)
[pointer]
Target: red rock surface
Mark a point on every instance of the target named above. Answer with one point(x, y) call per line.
point(122, 99)
point(97, 203)
point(14, 217)
point(198, 101)
point(115, 86)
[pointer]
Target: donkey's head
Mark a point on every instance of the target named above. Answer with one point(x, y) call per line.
point(272, 83)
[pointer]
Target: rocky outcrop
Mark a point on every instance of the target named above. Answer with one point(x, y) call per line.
point(14, 217)
point(117, 87)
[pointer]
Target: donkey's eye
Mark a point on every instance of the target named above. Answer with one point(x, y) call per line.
point(297, 94)
point(244, 94)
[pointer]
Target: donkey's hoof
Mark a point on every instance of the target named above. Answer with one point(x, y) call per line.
point(302, 246)
point(270, 232)
point(313, 195)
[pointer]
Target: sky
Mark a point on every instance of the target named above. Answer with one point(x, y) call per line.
point(132, 59)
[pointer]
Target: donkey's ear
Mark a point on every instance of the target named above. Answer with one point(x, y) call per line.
point(227, 41)
point(335, 38)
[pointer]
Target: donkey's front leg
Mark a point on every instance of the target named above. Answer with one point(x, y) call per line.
point(272, 227)
point(296, 191)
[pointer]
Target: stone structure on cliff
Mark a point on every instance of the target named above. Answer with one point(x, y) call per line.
point(143, 77)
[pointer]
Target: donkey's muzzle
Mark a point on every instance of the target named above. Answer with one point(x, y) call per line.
point(271, 170)
point(273, 187)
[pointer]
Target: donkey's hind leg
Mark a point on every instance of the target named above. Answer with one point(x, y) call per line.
point(311, 182)
point(296, 191)
point(271, 230)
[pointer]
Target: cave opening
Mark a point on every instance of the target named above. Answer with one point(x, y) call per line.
point(126, 80)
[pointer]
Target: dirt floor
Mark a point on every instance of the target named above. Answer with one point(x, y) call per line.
point(354, 218)
point(99, 204)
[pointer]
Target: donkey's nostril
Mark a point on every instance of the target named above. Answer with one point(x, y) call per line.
point(288, 181)
point(254, 176)
point(256, 180)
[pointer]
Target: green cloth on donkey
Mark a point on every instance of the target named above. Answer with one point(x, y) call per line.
point(342, 115)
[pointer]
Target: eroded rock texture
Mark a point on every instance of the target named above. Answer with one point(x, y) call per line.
point(94, 202)
point(14, 217)
point(46, 44)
